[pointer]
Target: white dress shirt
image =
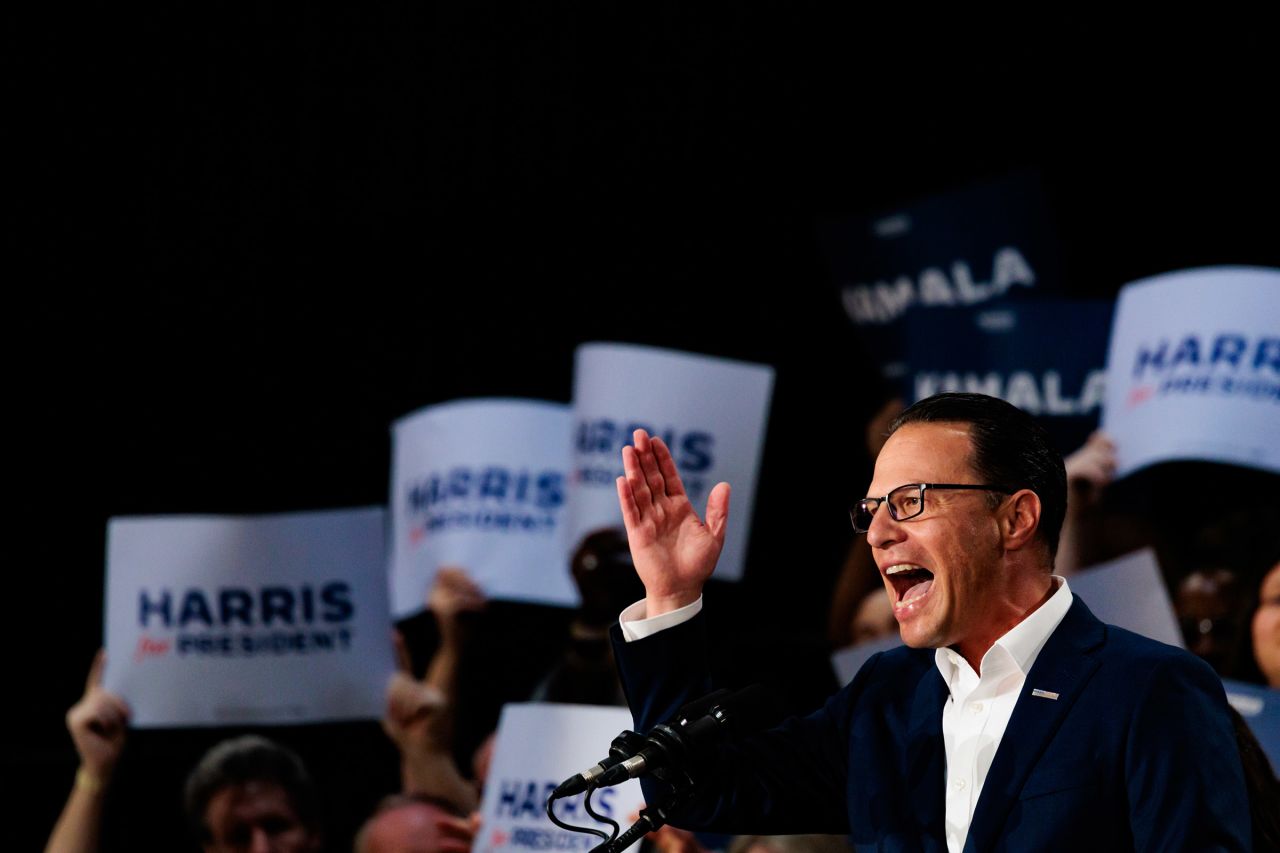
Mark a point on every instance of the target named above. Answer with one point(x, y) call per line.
point(976, 715)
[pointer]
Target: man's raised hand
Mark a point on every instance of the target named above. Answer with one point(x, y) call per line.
point(673, 550)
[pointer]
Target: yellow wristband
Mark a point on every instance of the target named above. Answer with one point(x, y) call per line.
point(87, 782)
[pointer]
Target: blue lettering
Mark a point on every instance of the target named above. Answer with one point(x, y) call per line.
point(146, 606)
point(530, 806)
point(194, 607)
point(1268, 354)
point(550, 490)
point(1148, 358)
point(508, 796)
point(459, 483)
point(522, 487)
point(1188, 351)
point(337, 600)
point(277, 603)
point(308, 604)
point(493, 483)
point(696, 452)
point(1228, 348)
point(235, 604)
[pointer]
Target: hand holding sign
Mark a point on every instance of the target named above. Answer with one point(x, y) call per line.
point(674, 551)
point(417, 721)
point(97, 725)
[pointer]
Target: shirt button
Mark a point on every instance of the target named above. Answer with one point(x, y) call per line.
point(958, 784)
point(976, 707)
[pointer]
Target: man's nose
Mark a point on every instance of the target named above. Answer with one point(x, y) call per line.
point(884, 530)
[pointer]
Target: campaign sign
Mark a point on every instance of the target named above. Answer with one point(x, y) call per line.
point(538, 747)
point(481, 484)
point(1047, 357)
point(847, 661)
point(711, 413)
point(1260, 707)
point(1127, 591)
point(984, 245)
point(220, 621)
point(1193, 372)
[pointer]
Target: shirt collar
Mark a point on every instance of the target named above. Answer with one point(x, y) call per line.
point(1021, 643)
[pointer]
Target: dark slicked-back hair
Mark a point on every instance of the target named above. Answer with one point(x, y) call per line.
point(249, 758)
point(1010, 450)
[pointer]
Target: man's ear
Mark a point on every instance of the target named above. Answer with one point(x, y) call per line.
point(1021, 519)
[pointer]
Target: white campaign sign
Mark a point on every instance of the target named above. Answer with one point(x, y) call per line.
point(1193, 370)
point(481, 484)
point(218, 621)
point(1129, 591)
point(538, 747)
point(711, 412)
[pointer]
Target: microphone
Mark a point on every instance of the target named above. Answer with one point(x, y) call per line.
point(676, 742)
point(628, 744)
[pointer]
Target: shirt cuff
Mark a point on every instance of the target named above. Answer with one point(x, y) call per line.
point(636, 626)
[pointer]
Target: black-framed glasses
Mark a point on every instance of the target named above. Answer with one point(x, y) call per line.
point(905, 502)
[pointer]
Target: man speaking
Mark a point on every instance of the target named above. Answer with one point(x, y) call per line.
point(1013, 719)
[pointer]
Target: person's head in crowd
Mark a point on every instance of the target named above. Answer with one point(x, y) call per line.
point(789, 844)
point(605, 576)
point(1212, 608)
point(252, 794)
point(964, 565)
point(873, 618)
point(413, 823)
point(1266, 627)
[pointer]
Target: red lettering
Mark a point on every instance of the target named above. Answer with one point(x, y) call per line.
point(148, 647)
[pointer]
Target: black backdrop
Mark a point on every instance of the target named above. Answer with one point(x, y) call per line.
point(245, 241)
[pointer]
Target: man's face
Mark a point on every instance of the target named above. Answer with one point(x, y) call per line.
point(941, 568)
point(257, 817)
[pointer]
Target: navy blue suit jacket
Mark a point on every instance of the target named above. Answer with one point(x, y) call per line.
point(1136, 751)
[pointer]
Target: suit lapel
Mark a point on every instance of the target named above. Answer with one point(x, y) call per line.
point(927, 760)
point(1062, 667)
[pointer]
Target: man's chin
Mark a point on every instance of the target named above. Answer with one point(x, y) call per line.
point(917, 639)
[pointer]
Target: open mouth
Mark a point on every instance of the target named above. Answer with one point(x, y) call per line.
point(911, 584)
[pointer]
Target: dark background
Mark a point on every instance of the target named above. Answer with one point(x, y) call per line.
point(245, 241)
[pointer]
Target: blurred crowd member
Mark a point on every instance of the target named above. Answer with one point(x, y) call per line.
point(606, 581)
point(789, 844)
point(414, 823)
point(1266, 627)
point(859, 578)
point(874, 618)
point(1090, 469)
point(97, 724)
point(1212, 609)
point(251, 794)
point(669, 839)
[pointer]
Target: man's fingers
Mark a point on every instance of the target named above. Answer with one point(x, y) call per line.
point(667, 465)
point(640, 492)
point(645, 448)
point(627, 503)
point(718, 511)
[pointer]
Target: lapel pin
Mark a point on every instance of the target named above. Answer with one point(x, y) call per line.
point(1043, 694)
